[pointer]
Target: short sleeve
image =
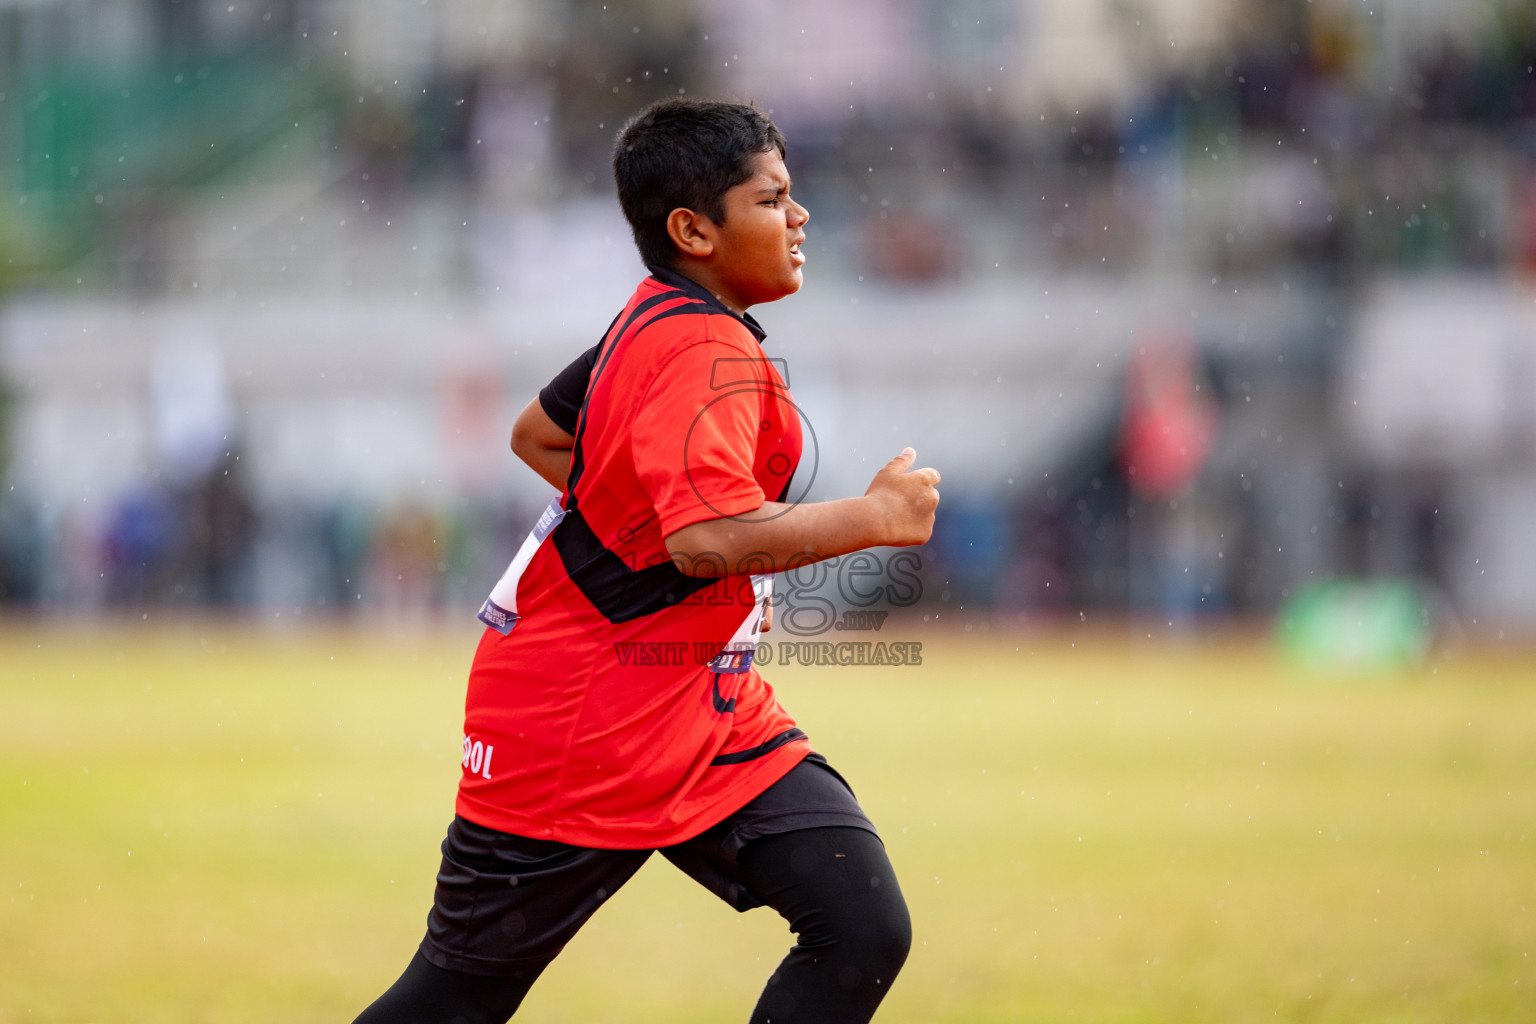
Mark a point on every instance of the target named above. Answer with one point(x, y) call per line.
point(562, 397)
point(693, 445)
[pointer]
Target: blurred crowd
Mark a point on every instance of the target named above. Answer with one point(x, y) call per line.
point(1302, 149)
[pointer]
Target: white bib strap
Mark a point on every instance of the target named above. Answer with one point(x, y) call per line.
point(500, 609)
point(736, 655)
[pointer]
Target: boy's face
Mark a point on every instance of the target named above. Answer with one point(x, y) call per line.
point(756, 254)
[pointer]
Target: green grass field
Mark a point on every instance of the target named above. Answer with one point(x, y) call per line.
point(220, 823)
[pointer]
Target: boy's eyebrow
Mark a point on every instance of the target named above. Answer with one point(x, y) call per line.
point(775, 187)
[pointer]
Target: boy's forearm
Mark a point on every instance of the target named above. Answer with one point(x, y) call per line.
point(896, 510)
point(776, 537)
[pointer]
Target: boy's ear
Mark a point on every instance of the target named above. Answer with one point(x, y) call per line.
point(692, 233)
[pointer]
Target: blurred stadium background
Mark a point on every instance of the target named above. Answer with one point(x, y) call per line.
point(1212, 313)
point(278, 275)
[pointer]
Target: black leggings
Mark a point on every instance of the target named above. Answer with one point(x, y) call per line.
point(833, 885)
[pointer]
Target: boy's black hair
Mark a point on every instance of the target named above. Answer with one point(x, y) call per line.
point(685, 153)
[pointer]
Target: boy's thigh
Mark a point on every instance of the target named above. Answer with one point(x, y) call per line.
point(812, 795)
point(506, 904)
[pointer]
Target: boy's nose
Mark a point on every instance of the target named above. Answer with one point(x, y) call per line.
point(799, 214)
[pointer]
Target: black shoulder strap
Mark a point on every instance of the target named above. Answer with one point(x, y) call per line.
point(614, 588)
point(610, 345)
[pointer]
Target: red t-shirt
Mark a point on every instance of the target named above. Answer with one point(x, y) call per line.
point(596, 719)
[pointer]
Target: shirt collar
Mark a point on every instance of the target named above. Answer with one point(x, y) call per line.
point(687, 285)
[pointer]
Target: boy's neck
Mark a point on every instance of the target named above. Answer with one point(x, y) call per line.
point(702, 274)
point(663, 273)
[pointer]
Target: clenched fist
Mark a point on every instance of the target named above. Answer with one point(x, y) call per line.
point(907, 498)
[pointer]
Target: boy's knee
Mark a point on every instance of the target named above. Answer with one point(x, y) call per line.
point(883, 919)
point(876, 936)
point(889, 937)
point(869, 956)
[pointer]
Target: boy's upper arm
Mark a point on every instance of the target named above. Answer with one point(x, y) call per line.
point(534, 427)
point(693, 445)
point(562, 397)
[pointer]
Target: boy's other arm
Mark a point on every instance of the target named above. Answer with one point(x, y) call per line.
point(897, 510)
point(540, 442)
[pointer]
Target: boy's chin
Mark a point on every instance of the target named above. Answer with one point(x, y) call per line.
point(783, 288)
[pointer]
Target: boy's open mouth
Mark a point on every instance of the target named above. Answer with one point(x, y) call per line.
point(796, 254)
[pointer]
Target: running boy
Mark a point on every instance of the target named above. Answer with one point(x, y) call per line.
point(593, 733)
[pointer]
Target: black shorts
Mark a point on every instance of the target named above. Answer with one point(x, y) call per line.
point(506, 904)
